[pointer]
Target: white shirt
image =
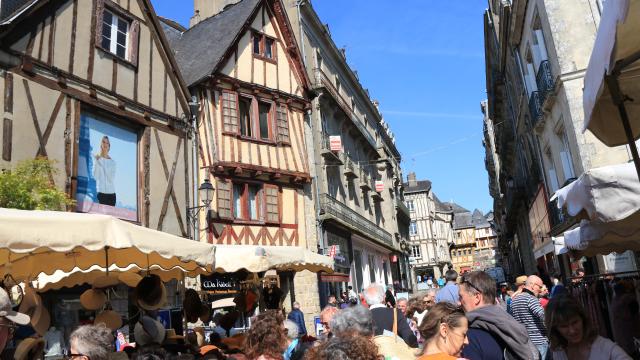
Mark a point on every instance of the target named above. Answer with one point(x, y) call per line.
point(104, 171)
point(601, 349)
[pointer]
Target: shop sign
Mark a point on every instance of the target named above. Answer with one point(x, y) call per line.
point(335, 143)
point(619, 262)
point(379, 186)
point(219, 284)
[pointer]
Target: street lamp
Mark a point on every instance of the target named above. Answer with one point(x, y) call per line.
point(205, 193)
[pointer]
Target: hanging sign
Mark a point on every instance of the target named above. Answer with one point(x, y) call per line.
point(335, 143)
point(394, 258)
point(219, 284)
point(379, 185)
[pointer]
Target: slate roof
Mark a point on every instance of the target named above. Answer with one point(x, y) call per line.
point(421, 185)
point(440, 206)
point(479, 220)
point(8, 8)
point(455, 207)
point(201, 48)
point(462, 220)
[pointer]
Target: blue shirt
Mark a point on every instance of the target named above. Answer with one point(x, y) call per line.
point(482, 346)
point(448, 293)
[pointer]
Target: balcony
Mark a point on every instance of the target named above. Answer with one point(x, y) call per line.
point(402, 209)
point(365, 181)
point(350, 167)
point(330, 157)
point(544, 80)
point(535, 108)
point(331, 208)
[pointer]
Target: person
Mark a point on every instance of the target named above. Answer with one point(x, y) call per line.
point(91, 342)
point(492, 332)
point(401, 304)
point(266, 339)
point(414, 313)
point(104, 171)
point(572, 336)
point(430, 282)
point(389, 299)
point(519, 284)
point(352, 294)
point(297, 317)
point(383, 316)
point(578, 275)
point(357, 319)
point(331, 301)
point(526, 309)
point(450, 291)
point(625, 322)
point(9, 319)
point(296, 348)
point(444, 330)
point(504, 299)
point(345, 347)
point(441, 282)
point(326, 315)
point(429, 298)
point(544, 296)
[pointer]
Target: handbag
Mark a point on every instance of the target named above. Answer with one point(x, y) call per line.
point(394, 346)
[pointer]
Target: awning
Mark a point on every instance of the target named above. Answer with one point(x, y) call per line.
point(607, 200)
point(335, 277)
point(34, 242)
point(231, 258)
point(617, 40)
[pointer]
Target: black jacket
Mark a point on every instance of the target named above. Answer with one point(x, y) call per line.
point(383, 320)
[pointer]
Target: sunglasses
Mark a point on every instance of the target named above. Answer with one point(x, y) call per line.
point(465, 281)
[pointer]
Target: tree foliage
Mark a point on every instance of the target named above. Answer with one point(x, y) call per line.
point(29, 187)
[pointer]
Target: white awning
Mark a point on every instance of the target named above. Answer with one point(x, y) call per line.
point(617, 39)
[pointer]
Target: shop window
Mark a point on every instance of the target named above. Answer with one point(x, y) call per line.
point(117, 33)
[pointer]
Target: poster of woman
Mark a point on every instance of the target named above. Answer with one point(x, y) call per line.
point(107, 168)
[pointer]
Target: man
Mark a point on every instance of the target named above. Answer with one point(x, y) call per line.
point(332, 301)
point(91, 342)
point(352, 294)
point(449, 292)
point(429, 298)
point(389, 299)
point(526, 309)
point(429, 283)
point(297, 317)
point(383, 316)
point(401, 304)
point(9, 319)
point(326, 315)
point(492, 332)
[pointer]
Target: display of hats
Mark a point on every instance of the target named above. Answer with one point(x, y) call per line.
point(148, 331)
point(105, 281)
point(130, 279)
point(150, 293)
point(29, 301)
point(110, 319)
point(192, 305)
point(40, 320)
point(93, 299)
point(30, 348)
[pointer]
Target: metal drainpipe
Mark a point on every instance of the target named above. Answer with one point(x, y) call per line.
point(298, 4)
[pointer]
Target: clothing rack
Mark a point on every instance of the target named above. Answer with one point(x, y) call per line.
point(605, 276)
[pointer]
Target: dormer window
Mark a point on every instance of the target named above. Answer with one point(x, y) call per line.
point(117, 32)
point(264, 47)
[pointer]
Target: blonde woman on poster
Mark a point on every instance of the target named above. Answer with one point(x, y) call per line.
point(104, 171)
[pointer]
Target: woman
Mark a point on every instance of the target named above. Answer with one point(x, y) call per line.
point(571, 335)
point(104, 171)
point(444, 331)
point(267, 338)
point(346, 347)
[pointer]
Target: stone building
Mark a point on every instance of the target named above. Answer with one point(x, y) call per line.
point(430, 230)
point(357, 175)
point(535, 70)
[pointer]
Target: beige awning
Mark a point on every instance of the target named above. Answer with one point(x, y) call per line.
point(34, 242)
point(231, 258)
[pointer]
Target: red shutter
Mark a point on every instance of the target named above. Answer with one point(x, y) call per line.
point(282, 125)
point(134, 36)
point(272, 205)
point(230, 112)
point(99, 17)
point(224, 198)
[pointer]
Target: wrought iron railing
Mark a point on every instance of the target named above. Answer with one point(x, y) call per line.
point(544, 79)
point(351, 219)
point(556, 216)
point(535, 108)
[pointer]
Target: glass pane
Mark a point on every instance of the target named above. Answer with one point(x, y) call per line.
point(120, 51)
point(264, 120)
point(245, 117)
point(107, 17)
point(256, 44)
point(237, 200)
point(268, 51)
point(122, 25)
point(254, 192)
point(122, 39)
point(106, 43)
point(106, 30)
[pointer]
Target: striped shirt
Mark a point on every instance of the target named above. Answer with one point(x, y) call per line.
point(526, 309)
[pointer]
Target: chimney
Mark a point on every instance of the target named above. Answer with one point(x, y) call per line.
point(204, 9)
point(413, 182)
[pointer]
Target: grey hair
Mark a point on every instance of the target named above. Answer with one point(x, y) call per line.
point(431, 291)
point(296, 305)
point(292, 329)
point(93, 341)
point(356, 318)
point(374, 294)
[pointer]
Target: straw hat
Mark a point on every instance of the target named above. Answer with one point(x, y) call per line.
point(130, 279)
point(105, 281)
point(149, 331)
point(93, 299)
point(40, 320)
point(29, 301)
point(29, 348)
point(6, 310)
point(110, 319)
point(520, 280)
point(150, 293)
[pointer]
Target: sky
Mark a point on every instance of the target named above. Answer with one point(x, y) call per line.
point(423, 60)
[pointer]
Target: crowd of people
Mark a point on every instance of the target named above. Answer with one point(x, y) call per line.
point(467, 318)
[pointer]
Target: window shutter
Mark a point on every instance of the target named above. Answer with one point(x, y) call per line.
point(272, 204)
point(230, 112)
point(134, 36)
point(99, 19)
point(224, 199)
point(282, 125)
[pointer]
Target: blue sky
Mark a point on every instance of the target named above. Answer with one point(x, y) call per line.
point(423, 60)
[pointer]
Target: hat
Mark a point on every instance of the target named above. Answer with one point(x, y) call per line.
point(105, 281)
point(7, 312)
point(150, 293)
point(93, 299)
point(192, 305)
point(149, 331)
point(520, 280)
point(29, 300)
point(40, 320)
point(29, 348)
point(130, 279)
point(110, 319)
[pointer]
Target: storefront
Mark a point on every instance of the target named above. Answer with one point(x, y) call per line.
point(371, 263)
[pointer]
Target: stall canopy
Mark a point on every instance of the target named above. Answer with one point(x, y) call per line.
point(34, 242)
point(612, 79)
point(607, 202)
point(231, 258)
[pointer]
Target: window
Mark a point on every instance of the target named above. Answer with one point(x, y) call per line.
point(565, 155)
point(239, 117)
point(117, 34)
point(264, 46)
point(272, 203)
point(248, 201)
point(245, 116)
point(551, 172)
point(230, 112)
point(413, 228)
point(224, 199)
point(264, 111)
point(282, 125)
point(416, 251)
point(410, 206)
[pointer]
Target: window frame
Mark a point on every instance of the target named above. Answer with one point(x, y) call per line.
point(262, 55)
point(416, 254)
point(133, 32)
point(413, 228)
point(254, 114)
point(282, 109)
point(261, 206)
